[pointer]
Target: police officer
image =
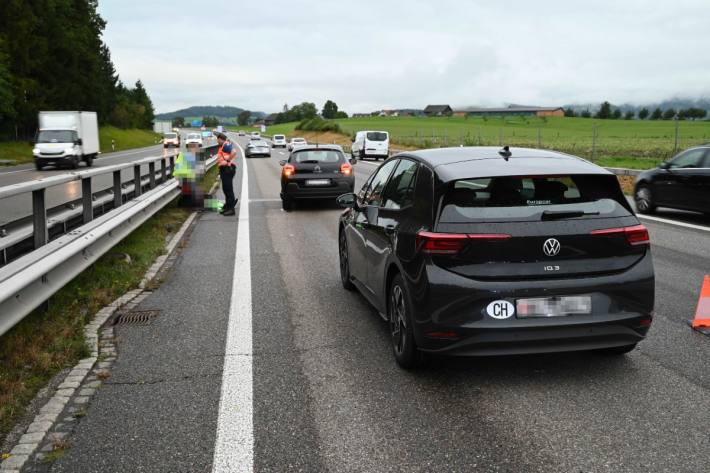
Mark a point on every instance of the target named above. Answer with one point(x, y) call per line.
point(227, 169)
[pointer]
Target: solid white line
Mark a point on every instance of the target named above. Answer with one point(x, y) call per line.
point(234, 447)
point(674, 222)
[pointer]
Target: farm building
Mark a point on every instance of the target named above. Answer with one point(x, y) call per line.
point(511, 111)
point(437, 110)
point(270, 119)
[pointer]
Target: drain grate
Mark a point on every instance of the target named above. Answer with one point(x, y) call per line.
point(136, 317)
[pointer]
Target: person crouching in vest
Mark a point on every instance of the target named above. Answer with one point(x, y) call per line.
point(227, 169)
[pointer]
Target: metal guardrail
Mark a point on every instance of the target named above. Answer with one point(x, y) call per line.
point(28, 281)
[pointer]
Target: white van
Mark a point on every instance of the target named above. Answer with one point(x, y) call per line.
point(371, 144)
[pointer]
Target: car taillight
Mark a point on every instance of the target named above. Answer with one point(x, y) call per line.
point(289, 170)
point(346, 169)
point(452, 243)
point(636, 235)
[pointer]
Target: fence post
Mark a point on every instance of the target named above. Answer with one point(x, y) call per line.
point(117, 195)
point(137, 180)
point(151, 170)
point(39, 218)
point(539, 138)
point(163, 171)
point(594, 141)
point(675, 141)
point(87, 201)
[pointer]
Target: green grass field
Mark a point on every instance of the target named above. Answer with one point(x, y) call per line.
point(617, 141)
point(21, 151)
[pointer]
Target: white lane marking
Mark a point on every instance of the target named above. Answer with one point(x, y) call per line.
point(234, 447)
point(674, 222)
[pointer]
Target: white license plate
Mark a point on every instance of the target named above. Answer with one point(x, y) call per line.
point(553, 306)
point(317, 182)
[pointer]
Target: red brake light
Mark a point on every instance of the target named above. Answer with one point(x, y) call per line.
point(636, 235)
point(452, 243)
point(289, 170)
point(346, 169)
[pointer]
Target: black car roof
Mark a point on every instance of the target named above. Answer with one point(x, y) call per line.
point(485, 161)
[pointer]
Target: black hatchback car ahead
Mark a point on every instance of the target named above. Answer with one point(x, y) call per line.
point(680, 183)
point(470, 251)
point(315, 172)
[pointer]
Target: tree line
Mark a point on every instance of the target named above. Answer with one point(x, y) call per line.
point(605, 112)
point(52, 57)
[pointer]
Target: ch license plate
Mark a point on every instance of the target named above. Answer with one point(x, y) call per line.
point(317, 182)
point(553, 306)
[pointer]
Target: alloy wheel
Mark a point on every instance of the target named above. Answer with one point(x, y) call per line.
point(398, 320)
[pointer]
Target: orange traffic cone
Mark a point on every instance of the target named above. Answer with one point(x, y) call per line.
point(701, 322)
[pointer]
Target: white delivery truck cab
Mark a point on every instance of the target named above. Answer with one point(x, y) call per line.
point(66, 138)
point(371, 144)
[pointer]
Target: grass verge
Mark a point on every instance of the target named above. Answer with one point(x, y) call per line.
point(21, 151)
point(44, 343)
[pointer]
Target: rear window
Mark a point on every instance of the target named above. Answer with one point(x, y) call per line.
point(532, 198)
point(376, 136)
point(279, 137)
point(317, 156)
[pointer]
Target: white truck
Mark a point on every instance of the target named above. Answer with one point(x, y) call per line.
point(66, 138)
point(162, 126)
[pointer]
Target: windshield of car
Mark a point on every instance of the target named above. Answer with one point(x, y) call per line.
point(193, 136)
point(317, 156)
point(298, 140)
point(532, 198)
point(376, 136)
point(171, 136)
point(56, 136)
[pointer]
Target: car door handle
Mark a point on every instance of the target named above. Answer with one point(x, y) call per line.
point(390, 229)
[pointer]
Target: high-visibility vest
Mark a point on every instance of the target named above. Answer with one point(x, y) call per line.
point(184, 169)
point(223, 158)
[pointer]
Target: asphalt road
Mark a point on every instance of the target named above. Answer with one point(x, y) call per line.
point(327, 395)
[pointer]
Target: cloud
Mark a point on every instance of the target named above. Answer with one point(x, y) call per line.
point(369, 54)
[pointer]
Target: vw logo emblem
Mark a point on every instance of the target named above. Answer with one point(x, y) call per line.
point(317, 169)
point(551, 247)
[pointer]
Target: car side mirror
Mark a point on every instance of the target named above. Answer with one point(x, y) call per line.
point(664, 165)
point(79, 142)
point(282, 162)
point(347, 201)
point(353, 161)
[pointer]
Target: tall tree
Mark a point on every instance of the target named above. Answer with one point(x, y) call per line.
point(569, 112)
point(643, 113)
point(604, 111)
point(330, 109)
point(629, 115)
point(669, 114)
point(657, 114)
point(243, 118)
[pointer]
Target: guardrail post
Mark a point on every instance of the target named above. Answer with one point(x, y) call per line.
point(137, 180)
point(117, 194)
point(151, 170)
point(39, 218)
point(172, 165)
point(87, 202)
point(163, 171)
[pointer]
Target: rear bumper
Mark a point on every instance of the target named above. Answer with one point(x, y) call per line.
point(292, 190)
point(455, 306)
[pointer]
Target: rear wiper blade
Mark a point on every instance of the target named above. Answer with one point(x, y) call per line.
point(561, 214)
point(310, 161)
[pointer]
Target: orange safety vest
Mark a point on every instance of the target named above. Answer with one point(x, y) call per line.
point(224, 159)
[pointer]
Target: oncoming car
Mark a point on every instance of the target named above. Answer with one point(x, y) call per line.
point(315, 172)
point(171, 140)
point(472, 251)
point(193, 138)
point(257, 148)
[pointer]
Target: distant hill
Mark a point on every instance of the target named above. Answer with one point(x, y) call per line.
point(676, 103)
point(225, 113)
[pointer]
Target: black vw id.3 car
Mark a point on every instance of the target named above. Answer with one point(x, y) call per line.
point(480, 251)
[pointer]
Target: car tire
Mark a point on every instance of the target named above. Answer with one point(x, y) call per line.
point(74, 163)
point(287, 204)
point(39, 165)
point(399, 316)
point(617, 350)
point(89, 161)
point(643, 197)
point(344, 261)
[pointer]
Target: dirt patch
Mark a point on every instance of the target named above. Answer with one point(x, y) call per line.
point(627, 184)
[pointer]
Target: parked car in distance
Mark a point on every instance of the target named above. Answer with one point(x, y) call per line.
point(315, 172)
point(193, 138)
point(295, 142)
point(171, 140)
point(371, 144)
point(241, 133)
point(257, 148)
point(255, 134)
point(278, 141)
point(466, 251)
point(682, 182)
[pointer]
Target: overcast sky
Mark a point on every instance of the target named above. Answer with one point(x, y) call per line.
point(367, 55)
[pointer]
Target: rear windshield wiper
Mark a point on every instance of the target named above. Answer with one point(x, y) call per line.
point(309, 161)
point(562, 214)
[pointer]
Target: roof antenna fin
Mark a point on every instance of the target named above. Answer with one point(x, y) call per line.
point(505, 152)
